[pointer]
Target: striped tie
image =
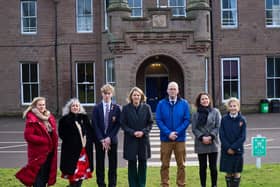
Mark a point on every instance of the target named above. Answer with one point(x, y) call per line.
point(106, 117)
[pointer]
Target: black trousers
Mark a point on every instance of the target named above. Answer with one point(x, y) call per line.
point(202, 158)
point(44, 173)
point(100, 165)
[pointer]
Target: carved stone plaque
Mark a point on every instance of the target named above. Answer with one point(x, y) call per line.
point(159, 21)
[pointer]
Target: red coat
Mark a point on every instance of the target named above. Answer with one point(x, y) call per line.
point(40, 144)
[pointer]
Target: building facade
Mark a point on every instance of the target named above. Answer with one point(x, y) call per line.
point(246, 51)
point(63, 49)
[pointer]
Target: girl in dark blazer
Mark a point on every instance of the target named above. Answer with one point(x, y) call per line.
point(136, 121)
point(233, 136)
point(75, 131)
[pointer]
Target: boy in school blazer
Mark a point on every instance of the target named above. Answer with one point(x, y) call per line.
point(106, 124)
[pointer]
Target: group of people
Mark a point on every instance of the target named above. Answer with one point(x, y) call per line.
point(208, 128)
point(173, 116)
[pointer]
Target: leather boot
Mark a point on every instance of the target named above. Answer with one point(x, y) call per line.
point(235, 182)
point(228, 181)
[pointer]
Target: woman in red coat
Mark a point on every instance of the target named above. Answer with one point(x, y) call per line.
point(41, 137)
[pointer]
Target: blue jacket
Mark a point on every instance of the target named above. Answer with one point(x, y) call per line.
point(173, 118)
point(233, 133)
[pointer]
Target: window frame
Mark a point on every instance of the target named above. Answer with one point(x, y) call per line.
point(30, 83)
point(28, 17)
point(234, 18)
point(184, 6)
point(85, 83)
point(266, 19)
point(271, 78)
point(106, 26)
point(113, 74)
point(79, 30)
point(133, 7)
point(224, 80)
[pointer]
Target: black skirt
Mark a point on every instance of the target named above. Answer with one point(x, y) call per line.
point(231, 163)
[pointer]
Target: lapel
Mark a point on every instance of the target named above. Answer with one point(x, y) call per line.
point(140, 111)
point(134, 115)
point(101, 114)
point(111, 112)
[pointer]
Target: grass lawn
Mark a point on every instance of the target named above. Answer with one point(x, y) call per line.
point(267, 176)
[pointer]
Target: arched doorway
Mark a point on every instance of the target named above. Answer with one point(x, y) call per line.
point(153, 76)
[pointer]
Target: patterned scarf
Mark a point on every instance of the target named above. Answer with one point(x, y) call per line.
point(44, 117)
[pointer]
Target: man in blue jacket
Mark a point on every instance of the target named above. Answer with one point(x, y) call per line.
point(173, 118)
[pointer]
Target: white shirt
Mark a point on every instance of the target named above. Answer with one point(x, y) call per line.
point(175, 100)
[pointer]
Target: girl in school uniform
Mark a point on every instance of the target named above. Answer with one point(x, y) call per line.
point(232, 135)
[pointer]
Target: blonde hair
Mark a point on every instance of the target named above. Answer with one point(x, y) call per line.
point(67, 108)
point(107, 88)
point(232, 100)
point(32, 105)
point(136, 89)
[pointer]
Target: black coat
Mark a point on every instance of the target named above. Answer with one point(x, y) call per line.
point(131, 121)
point(71, 142)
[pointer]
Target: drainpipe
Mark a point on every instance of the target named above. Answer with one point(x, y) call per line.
point(206, 74)
point(212, 56)
point(71, 74)
point(55, 56)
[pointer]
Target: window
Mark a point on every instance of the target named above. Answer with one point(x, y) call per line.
point(230, 78)
point(29, 82)
point(272, 9)
point(229, 13)
point(136, 7)
point(85, 83)
point(106, 5)
point(28, 17)
point(84, 16)
point(178, 7)
point(110, 72)
point(273, 77)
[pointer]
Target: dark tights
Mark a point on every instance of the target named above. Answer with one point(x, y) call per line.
point(202, 158)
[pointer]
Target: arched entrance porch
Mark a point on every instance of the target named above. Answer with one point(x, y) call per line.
point(154, 74)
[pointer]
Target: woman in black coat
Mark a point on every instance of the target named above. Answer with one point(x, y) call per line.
point(136, 121)
point(76, 162)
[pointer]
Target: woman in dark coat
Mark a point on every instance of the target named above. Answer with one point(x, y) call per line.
point(233, 136)
point(136, 121)
point(41, 137)
point(76, 162)
point(205, 126)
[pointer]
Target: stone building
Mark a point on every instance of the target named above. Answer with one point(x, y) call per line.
point(162, 45)
point(63, 49)
point(246, 51)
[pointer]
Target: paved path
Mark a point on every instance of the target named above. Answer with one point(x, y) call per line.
point(191, 159)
